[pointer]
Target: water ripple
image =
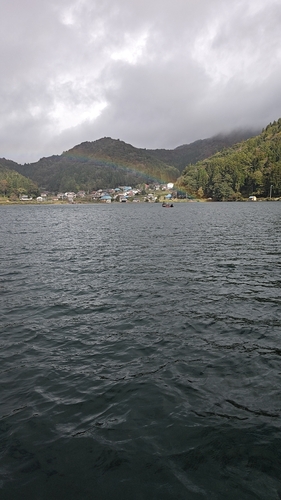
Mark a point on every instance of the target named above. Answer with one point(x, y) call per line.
point(140, 351)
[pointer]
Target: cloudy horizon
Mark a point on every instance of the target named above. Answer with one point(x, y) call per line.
point(153, 74)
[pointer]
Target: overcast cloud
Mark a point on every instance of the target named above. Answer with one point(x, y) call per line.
point(154, 73)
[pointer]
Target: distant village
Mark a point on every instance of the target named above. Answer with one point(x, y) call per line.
point(151, 193)
point(122, 194)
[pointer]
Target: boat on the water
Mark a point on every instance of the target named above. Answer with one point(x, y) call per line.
point(167, 205)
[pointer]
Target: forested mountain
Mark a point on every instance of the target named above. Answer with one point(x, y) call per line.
point(96, 165)
point(248, 168)
point(14, 184)
point(109, 163)
point(183, 155)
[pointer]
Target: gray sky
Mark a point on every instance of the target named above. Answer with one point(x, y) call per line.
point(154, 73)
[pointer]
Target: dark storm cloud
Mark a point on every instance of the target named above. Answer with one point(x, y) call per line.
point(152, 73)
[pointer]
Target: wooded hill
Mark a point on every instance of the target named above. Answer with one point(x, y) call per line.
point(13, 184)
point(101, 164)
point(109, 163)
point(247, 168)
point(187, 154)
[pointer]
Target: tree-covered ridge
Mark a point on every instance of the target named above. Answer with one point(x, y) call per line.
point(14, 184)
point(252, 167)
point(119, 154)
point(101, 164)
point(201, 149)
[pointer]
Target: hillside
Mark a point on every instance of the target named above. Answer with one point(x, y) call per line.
point(96, 165)
point(248, 168)
point(13, 184)
point(183, 155)
point(109, 163)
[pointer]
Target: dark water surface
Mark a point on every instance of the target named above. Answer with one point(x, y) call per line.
point(140, 352)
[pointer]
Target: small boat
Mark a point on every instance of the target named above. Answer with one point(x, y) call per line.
point(167, 205)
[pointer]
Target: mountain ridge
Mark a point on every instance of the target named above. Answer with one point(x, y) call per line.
point(108, 162)
point(200, 149)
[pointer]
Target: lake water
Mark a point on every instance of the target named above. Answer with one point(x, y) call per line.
point(140, 352)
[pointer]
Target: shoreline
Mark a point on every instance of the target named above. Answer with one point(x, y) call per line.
point(7, 202)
